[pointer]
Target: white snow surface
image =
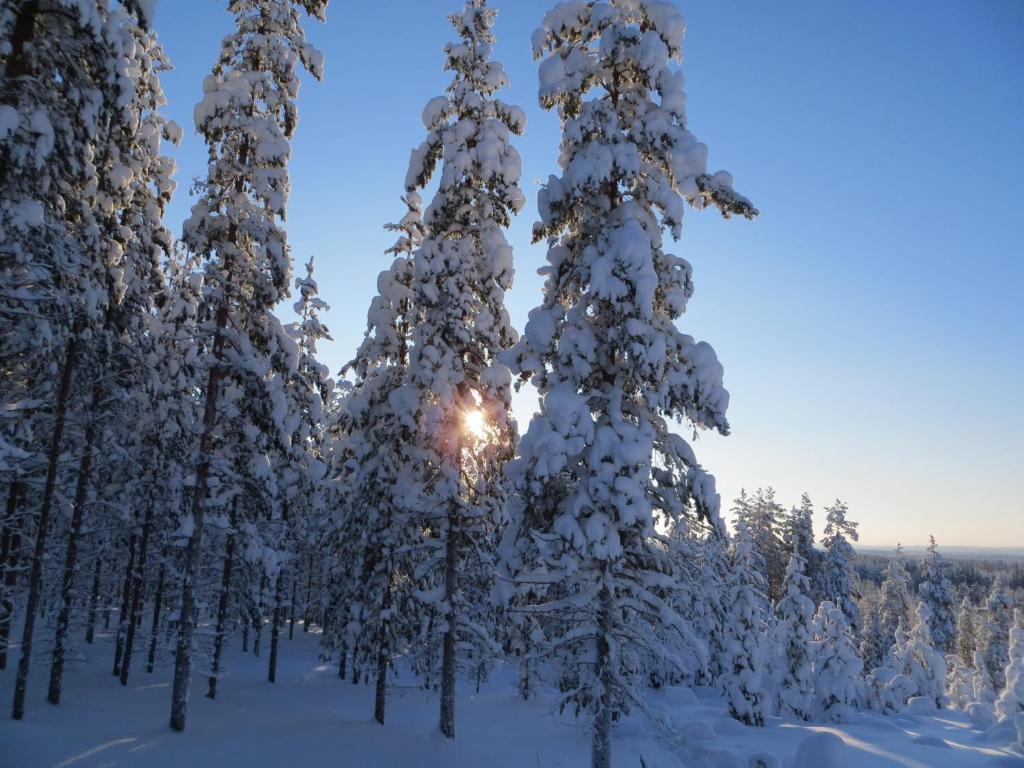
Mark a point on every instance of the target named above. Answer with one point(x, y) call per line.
point(311, 717)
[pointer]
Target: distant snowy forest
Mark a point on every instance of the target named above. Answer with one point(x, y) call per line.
point(182, 473)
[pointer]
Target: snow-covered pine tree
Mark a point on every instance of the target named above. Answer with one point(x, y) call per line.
point(837, 576)
point(961, 682)
point(599, 466)
point(798, 533)
point(1010, 703)
point(937, 591)
point(746, 679)
point(873, 642)
point(134, 185)
point(894, 606)
point(762, 516)
point(998, 614)
point(377, 606)
point(983, 690)
point(795, 633)
point(838, 670)
point(247, 116)
point(966, 642)
point(921, 661)
point(457, 396)
point(62, 85)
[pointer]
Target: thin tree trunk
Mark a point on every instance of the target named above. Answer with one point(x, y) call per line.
point(257, 628)
point(451, 576)
point(11, 546)
point(183, 652)
point(71, 555)
point(35, 582)
point(343, 660)
point(381, 693)
point(157, 603)
point(306, 602)
point(601, 750)
point(122, 616)
point(245, 637)
point(138, 577)
point(291, 609)
point(274, 631)
point(222, 609)
point(94, 597)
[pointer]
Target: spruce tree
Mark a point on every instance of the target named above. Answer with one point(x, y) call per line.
point(966, 642)
point(838, 670)
point(1010, 703)
point(936, 590)
point(795, 632)
point(837, 576)
point(457, 396)
point(599, 465)
point(798, 533)
point(247, 116)
point(998, 614)
point(894, 608)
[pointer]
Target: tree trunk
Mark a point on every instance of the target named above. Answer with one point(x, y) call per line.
point(380, 697)
point(11, 551)
point(245, 637)
point(183, 652)
point(343, 660)
point(451, 583)
point(222, 609)
point(154, 633)
point(71, 555)
point(291, 608)
point(35, 581)
point(274, 631)
point(126, 596)
point(601, 751)
point(94, 597)
point(135, 613)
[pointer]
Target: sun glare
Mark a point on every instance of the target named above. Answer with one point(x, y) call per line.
point(474, 424)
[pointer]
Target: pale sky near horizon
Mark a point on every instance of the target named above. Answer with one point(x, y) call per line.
point(869, 321)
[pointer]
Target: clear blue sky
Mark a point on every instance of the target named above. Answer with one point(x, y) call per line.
point(870, 321)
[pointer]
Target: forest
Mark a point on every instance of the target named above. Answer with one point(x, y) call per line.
point(185, 481)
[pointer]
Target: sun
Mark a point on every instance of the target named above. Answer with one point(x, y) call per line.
point(474, 424)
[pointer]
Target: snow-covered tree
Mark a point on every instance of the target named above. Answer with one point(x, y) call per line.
point(762, 516)
point(1010, 703)
point(961, 682)
point(998, 614)
point(599, 466)
point(966, 641)
point(917, 658)
point(746, 679)
point(983, 690)
point(247, 116)
point(838, 670)
point(937, 591)
point(837, 576)
point(377, 606)
point(798, 534)
point(457, 395)
point(894, 607)
point(795, 634)
point(873, 643)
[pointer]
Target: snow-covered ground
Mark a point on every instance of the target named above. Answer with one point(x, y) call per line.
point(312, 718)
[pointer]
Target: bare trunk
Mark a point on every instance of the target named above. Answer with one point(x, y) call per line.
point(71, 555)
point(274, 631)
point(126, 596)
point(186, 627)
point(222, 610)
point(35, 582)
point(601, 750)
point(342, 660)
point(94, 597)
point(135, 613)
point(383, 656)
point(451, 576)
point(158, 600)
point(291, 609)
point(11, 546)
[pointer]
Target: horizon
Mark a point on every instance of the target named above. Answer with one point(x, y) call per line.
point(875, 276)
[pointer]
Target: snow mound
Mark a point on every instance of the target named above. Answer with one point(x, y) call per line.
point(921, 705)
point(930, 741)
point(764, 760)
point(822, 750)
